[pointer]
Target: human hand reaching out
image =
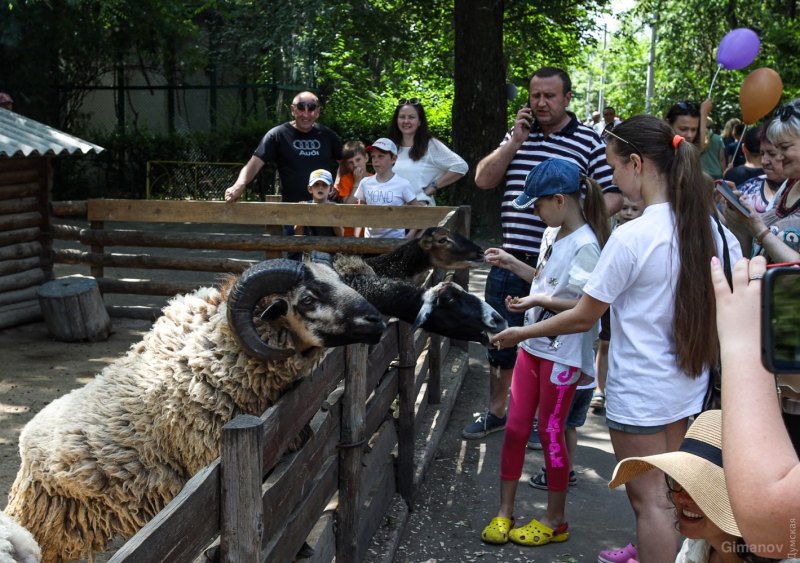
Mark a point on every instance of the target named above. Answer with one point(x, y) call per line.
point(521, 304)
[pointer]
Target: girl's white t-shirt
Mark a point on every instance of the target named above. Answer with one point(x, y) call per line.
point(395, 191)
point(563, 274)
point(637, 274)
point(438, 159)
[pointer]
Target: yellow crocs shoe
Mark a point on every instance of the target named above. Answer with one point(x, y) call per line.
point(536, 533)
point(497, 530)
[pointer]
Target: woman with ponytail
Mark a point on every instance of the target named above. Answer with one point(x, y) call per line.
point(654, 275)
point(548, 368)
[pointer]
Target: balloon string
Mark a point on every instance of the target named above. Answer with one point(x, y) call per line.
point(741, 140)
point(719, 68)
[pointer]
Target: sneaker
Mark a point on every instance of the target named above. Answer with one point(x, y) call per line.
point(533, 442)
point(486, 424)
point(540, 481)
point(619, 555)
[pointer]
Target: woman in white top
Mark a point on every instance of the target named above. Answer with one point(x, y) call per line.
point(422, 160)
point(654, 274)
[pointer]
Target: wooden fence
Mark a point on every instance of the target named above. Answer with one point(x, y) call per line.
point(365, 405)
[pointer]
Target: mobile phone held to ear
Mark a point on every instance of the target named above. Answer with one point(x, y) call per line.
point(780, 320)
point(528, 106)
point(725, 191)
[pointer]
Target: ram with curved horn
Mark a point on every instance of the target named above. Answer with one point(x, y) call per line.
point(105, 458)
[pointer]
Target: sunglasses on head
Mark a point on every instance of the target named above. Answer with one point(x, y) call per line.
point(634, 147)
point(303, 105)
point(786, 112)
point(408, 102)
point(672, 484)
point(688, 105)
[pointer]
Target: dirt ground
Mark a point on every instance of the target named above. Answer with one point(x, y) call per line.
point(460, 494)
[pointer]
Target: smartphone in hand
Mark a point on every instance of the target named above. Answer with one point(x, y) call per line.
point(724, 190)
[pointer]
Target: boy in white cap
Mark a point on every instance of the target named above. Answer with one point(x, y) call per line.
point(320, 184)
point(385, 187)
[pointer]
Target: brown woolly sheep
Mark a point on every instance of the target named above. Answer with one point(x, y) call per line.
point(104, 459)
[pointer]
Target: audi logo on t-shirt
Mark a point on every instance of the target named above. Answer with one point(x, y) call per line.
point(307, 148)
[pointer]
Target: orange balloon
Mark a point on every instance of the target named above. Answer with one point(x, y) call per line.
point(760, 93)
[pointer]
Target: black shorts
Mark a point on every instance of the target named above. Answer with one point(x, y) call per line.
point(605, 325)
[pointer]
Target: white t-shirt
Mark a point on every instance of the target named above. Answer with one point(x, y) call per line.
point(563, 274)
point(638, 274)
point(395, 191)
point(438, 159)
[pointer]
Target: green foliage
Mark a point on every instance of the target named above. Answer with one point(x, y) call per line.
point(689, 32)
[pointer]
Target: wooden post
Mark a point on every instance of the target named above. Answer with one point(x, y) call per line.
point(354, 414)
point(461, 277)
point(242, 513)
point(97, 271)
point(435, 370)
point(405, 438)
point(274, 230)
point(73, 310)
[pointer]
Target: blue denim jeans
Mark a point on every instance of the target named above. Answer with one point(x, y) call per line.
point(501, 283)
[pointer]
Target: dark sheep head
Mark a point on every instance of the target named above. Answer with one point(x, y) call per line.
point(449, 310)
point(309, 301)
point(450, 251)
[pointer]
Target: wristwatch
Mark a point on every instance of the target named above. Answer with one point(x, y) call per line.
point(434, 185)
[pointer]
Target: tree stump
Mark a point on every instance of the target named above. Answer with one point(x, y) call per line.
point(73, 310)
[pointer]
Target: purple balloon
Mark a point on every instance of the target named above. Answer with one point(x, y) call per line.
point(738, 48)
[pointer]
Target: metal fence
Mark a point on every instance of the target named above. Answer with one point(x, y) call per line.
point(168, 179)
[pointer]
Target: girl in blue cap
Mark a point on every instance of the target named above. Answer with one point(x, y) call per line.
point(548, 368)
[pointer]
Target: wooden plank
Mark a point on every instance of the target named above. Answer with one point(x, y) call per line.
point(259, 213)
point(420, 404)
point(241, 452)
point(8, 238)
point(18, 295)
point(19, 176)
point(19, 305)
point(21, 280)
point(285, 419)
point(275, 231)
point(148, 262)
point(382, 443)
point(435, 370)
point(145, 287)
point(20, 316)
point(376, 506)
point(380, 401)
point(20, 221)
point(285, 487)
point(65, 232)
point(141, 313)
point(91, 237)
point(286, 544)
point(8, 267)
point(322, 540)
point(21, 250)
point(421, 371)
point(19, 205)
point(381, 356)
point(351, 453)
point(68, 208)
point(405, 457)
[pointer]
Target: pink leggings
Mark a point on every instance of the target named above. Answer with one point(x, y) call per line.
point(531, 387)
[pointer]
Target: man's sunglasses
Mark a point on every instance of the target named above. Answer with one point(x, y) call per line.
point(688, 105)
point(786, 112)
point(408, 102)
point(303, 105)
point(634, 147)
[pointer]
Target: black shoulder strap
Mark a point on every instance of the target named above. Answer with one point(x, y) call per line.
point(726, 258)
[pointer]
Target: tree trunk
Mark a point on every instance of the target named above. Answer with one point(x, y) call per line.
point(479, 108)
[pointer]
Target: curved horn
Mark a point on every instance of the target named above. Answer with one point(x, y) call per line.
point(266, 278)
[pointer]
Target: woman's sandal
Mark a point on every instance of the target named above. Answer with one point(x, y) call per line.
point(536, 533)
point(598, 401)
point(497, 530)
point(540, 481)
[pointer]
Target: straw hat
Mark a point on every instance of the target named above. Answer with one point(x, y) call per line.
point(697, 466)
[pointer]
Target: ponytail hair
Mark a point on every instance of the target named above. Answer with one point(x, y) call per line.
point(594, 210)
point(694, 326)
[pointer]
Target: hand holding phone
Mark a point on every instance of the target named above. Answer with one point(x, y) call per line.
point(724, 190)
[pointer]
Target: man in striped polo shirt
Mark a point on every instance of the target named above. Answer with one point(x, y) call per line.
point(543, 129)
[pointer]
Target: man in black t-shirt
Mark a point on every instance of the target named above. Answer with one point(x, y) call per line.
point(298, 147)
